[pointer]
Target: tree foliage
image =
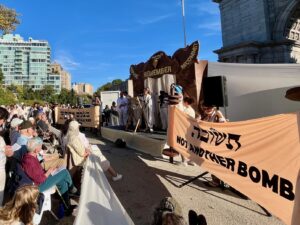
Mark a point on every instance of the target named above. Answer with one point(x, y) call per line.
point(108, 86)
point(18, 93)
point(8, 19)
point(1, 77)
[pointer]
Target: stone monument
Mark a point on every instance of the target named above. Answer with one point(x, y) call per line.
point(260, 31)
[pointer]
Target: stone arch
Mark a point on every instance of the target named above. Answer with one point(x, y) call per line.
point(285, 22)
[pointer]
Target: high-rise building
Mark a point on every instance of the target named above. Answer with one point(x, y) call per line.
point(83, 88)
point(64, 75)
point(27, 62)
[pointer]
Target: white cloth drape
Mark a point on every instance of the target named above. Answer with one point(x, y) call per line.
point(98, 203)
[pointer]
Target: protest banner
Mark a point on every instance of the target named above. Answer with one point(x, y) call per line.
point(88, 117)
point(260, 157)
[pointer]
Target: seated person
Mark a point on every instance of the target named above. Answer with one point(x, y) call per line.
point(26, 132)
point(80, 149)
point(42, 122)
point(14, 130)
point(44, 179)
point(21, 208)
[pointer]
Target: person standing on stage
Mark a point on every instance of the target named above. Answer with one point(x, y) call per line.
point(148, 110)
point(122, 104)
point(163, 109)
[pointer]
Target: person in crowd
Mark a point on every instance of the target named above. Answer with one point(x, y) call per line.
point(148, 110)
point(26, 132)
point(106, 114)
point(122, 104)
point(163, 109)
point(14, 130)
point(34, 110)
point(5, 151)
point(168, 212)
point(213, 114)
point(41, 121)
point(187, 107)
point(114, 114)
point(21, 208)
point(12, 112)
point(47, 179)
point(81, 149)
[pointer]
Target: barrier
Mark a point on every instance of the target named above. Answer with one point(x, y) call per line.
point(88, 117)
point(98, 203)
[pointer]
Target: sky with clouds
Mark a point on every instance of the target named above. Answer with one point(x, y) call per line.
point(97, 41)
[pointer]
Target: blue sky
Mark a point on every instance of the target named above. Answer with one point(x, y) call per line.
point(97, 41)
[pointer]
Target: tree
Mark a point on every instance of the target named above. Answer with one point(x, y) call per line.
point(8, 19)
point(46, 93)
point(1, 77)
point(109, 85)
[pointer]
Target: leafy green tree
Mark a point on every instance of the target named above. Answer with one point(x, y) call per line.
point(1, 77)
point(8, 19)
point(6, 97)
point(108, 86)
point(46, 93)
point(116, 82)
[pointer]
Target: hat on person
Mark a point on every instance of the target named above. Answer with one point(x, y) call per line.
point(15, 122)
point(74, 124)
point(25, 125)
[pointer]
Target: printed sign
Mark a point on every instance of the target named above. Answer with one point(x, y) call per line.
point(260, 158)
point(88, 117)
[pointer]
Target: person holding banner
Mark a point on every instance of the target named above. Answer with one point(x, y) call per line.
point(213, 114)
point(163, 109)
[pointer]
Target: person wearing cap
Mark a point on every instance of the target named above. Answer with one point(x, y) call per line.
point(80, 149)
point(26, 131)
point(14, 130)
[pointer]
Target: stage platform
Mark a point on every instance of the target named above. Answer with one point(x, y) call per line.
point(149, 143)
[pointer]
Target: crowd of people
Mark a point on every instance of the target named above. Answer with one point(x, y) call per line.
point(35, 157)
point(47, 157)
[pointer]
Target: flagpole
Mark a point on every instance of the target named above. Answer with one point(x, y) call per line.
point(183, 22)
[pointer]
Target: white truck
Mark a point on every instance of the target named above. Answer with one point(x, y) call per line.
point(108, 97)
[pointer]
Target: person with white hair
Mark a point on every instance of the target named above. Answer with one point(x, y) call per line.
point(80, 149)
point(46, 179)
point(14, 130)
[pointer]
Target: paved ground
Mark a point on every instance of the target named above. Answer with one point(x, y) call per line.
point(147, 180)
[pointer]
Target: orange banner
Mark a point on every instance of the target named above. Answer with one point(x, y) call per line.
point(260, 157)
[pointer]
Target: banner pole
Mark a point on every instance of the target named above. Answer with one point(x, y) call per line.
point(183, 22)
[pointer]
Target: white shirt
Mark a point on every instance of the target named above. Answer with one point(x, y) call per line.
point(2, 154)
point(122, 101)
point(190, 111)
point(148, 101)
